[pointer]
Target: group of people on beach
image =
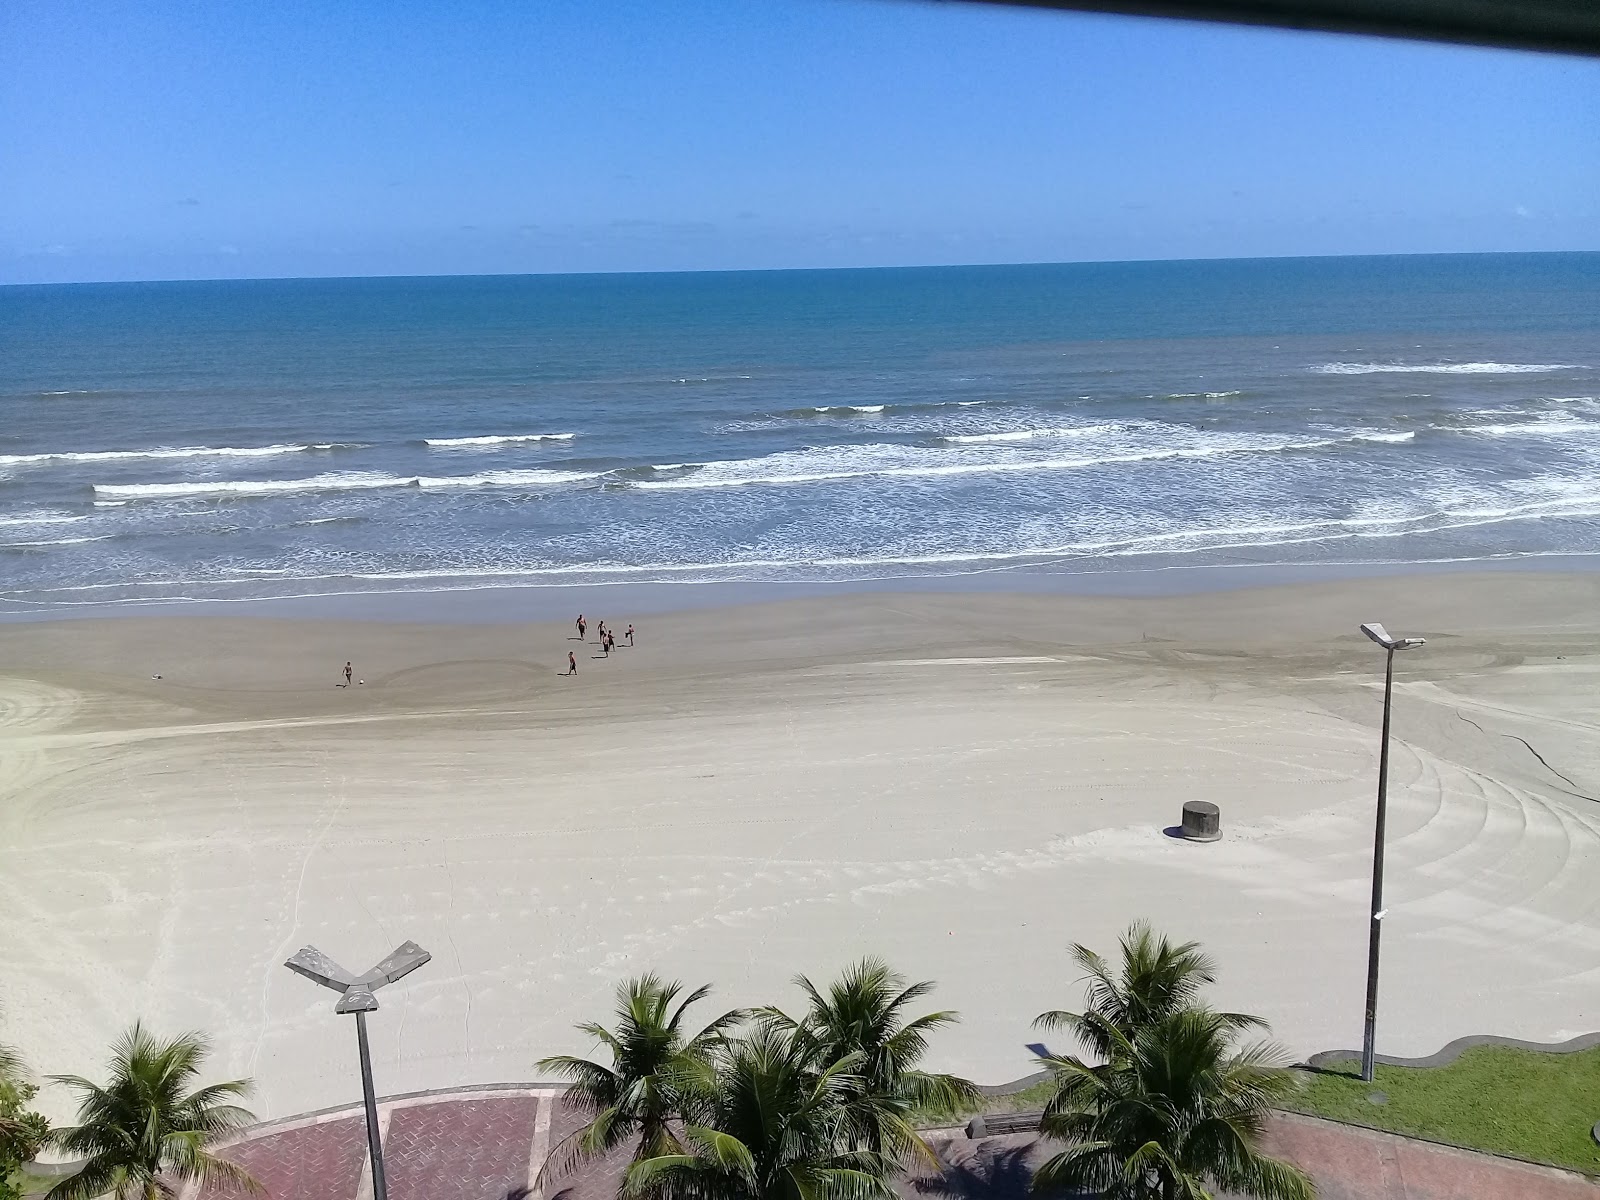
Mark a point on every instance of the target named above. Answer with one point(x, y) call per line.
point(608, 641)
point(607, 638)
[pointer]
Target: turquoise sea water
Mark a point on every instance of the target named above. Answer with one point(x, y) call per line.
point(273, 438)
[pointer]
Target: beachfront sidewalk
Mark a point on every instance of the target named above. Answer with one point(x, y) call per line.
point(489, 1143)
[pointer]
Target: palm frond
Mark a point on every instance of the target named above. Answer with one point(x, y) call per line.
point(700, 993)
point(1086, 1166)
point(13, 1070)
point(724, 1151)
point(98, 1177)
point(838, 1183)
point(644, 1176)
point(939, 1093)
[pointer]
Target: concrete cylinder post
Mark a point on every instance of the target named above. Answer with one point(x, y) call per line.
point(1202, 821)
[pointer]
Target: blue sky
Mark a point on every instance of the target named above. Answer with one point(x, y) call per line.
point(198, 140)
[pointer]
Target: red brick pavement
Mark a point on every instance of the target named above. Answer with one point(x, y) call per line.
point(477, 1146)
point(1350, 1163)
point(313, 1162)
point(461, 1150)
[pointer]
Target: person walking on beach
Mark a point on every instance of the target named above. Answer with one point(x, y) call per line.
point(601, 628)
point(348, 671)
point(582, 626)
point(605, 644)
point(572, 663)
point(630, 633)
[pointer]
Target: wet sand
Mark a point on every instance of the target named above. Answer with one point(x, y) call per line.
point(964, 783)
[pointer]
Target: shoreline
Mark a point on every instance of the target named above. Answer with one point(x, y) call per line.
point(500, 603)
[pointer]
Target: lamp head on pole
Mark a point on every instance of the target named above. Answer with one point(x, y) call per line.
point(357, 989)
point(1379, 634)
point(356, 1000)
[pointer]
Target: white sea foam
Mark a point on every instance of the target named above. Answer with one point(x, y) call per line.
point(340, 481)
point(1470, 368)
point(43, 518)
point(849, 408)
point(1024, 435)
point(59, 541)
point(328, 482)
point(1571, 498)
point(1556, 425)
point(1578, 499)
point(158, 452)
point(881, 460)
point(507, 479)
point(497, 439)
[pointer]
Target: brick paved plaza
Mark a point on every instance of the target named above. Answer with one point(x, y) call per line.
point(489, 1144)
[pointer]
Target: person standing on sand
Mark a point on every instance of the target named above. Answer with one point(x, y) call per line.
point(630, 633)
point(601, 629)
point(582, 626)
point(605, 644)
point(348, 671)
point(572, 663)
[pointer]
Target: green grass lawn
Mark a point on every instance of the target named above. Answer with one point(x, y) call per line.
point(35, 1185)
point(1495, 1098)
point(1035, 1097)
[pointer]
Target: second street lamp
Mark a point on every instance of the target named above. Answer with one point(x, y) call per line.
point(358, 998)
point(1369, 1037)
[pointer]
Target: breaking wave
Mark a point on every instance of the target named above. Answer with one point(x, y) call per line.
point(160, 452)
point(1470, 368)
point(1546, 427)
point(56, 542)
point(1025, 435)
point(887, 460)
point(43, 518)
point(351, 481)
point(497, 439)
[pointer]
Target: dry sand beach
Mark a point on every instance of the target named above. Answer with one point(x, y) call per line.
point(964, 783)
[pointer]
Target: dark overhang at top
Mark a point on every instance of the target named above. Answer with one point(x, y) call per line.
point(1569, 26)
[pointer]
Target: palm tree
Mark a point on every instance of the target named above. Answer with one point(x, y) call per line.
point(1175, 1111)
point(772, 1124)
point(1156, 979)
point(145, 1128)
point(22, 1133)
point(863, 1014)
point(13, 1082)
point(14, 1087)
point(652, 1064)
point(12, 1072)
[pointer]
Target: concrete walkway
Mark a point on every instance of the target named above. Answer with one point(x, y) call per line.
point(489, 1143)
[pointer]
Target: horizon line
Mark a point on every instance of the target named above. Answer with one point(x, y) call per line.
point(1089, 262)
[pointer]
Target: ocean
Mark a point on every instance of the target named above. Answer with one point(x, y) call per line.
point(248, 439)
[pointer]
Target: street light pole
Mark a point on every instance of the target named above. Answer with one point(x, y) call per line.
point(380, 1185)
point(358, 998)
point(1369, 1037)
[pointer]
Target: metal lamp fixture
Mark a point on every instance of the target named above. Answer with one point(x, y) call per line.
point(358, 998)
point(1390, 644)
